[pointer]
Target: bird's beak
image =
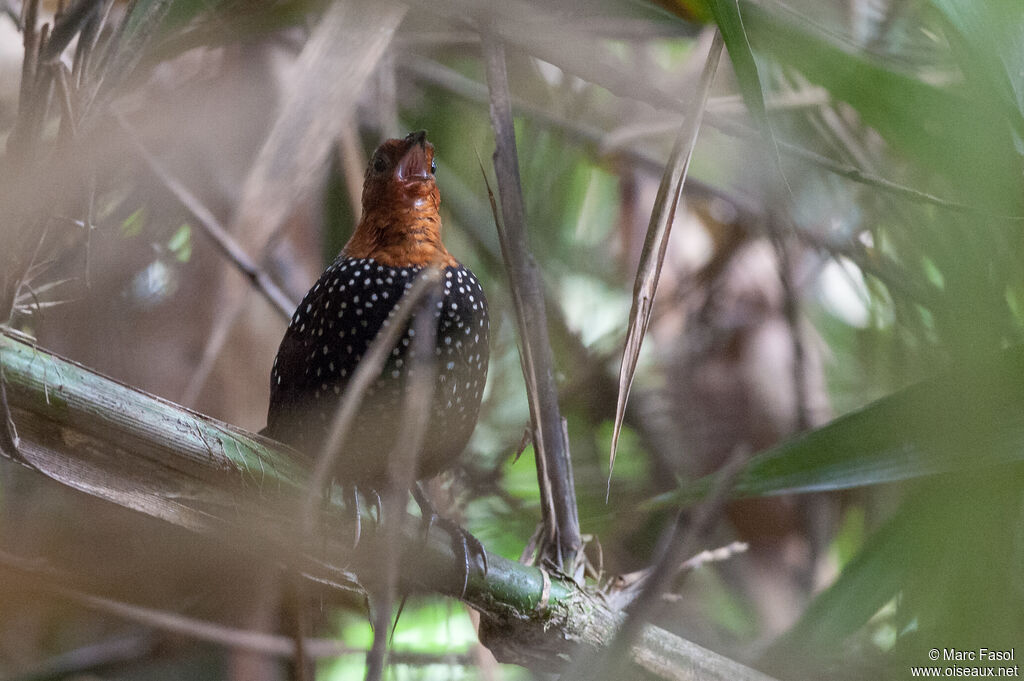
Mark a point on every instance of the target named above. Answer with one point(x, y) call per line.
point(415, 164)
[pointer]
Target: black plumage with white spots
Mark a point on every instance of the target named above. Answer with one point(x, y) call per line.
point(330, 333)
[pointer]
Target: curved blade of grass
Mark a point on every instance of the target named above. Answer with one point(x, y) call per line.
point(730, 23)
point(653, 254)
point(968, 419)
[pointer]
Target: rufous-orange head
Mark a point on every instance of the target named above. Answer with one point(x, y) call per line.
point(401, 225)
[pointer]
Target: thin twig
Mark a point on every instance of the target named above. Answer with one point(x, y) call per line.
point(679, 543)
point(38, 305)
point(738, 129)
point(230, 249)
point(43, 578)
point(562, 542)
point(471, 90)
point(402, 464)
point(95, 657)
point(210, 226)
point(708, 556)
point(727, 105)
point(626, 588)
point(791, 312)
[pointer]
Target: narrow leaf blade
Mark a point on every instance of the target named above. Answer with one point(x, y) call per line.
point(730, 24)
point(968, 419)
point(656, 242)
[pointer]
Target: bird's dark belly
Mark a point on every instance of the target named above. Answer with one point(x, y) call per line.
point(330, 334)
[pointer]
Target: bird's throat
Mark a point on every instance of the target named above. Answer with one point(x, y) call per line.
point(409, 237)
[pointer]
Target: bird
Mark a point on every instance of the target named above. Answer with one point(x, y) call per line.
point(397, 237)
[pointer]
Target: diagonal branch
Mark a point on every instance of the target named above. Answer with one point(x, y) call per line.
point(38, 577)
point(210, 226)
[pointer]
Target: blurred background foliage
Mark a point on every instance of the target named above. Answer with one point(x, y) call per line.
point(852, 227)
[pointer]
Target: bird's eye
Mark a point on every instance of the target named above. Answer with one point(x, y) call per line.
point(379, 164)
point(433, 166)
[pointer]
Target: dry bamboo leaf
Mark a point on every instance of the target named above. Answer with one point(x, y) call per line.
point(334, 65)
point(655, 243)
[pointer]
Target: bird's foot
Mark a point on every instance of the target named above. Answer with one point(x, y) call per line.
point(352, 502)
point(351, 499)
point(464, 544)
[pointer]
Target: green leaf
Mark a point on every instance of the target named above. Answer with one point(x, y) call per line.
point(968, 419)
point(181, 243)
point(941, 561)
point(942, 128)
point(993, 35)
point(133, 224)
point(730, 22)
point(866, 584)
